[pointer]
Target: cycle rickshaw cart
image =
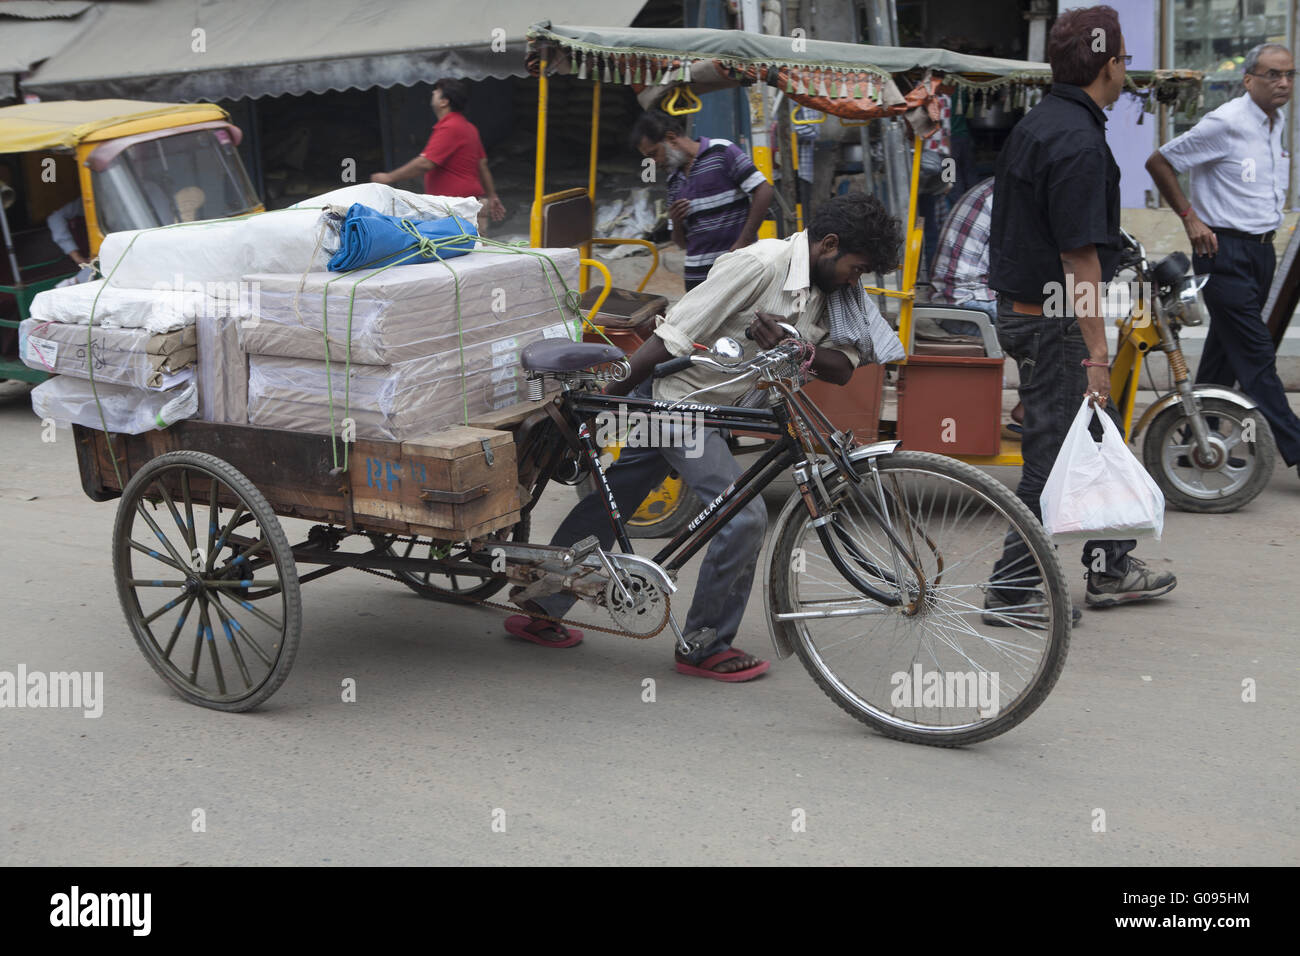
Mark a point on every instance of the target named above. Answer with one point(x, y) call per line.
point(1195, 440)
point(880, 574)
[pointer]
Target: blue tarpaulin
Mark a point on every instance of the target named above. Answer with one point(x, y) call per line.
point(370, 239)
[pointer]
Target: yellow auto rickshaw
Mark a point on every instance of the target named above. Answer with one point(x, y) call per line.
point(125, 165)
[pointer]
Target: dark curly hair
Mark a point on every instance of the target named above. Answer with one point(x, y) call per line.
point(863, 225)
point(654, 125)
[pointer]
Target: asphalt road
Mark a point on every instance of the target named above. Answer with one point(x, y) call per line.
point(456, 726)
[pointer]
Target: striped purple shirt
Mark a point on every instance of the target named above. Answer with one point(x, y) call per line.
point(718, 187)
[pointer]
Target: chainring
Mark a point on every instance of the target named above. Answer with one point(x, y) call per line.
point(648, 612)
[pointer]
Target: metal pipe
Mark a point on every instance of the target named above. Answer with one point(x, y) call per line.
point(539, 176)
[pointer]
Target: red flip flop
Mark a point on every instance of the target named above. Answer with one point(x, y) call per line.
point(519, 626)
point(705, 667)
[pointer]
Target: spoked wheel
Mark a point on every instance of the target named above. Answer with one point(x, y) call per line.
point(937, 668)
point(437, 586)
point(207, 580)
point(1238, 466)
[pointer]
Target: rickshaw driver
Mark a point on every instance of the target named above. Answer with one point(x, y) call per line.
point(794, 279)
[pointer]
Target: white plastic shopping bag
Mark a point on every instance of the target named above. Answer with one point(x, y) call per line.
point(1100, 490)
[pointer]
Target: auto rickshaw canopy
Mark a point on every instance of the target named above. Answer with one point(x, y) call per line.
point(67, 123)
point(850, 80)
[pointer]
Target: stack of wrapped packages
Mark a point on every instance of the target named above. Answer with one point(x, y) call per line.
point(305, 319)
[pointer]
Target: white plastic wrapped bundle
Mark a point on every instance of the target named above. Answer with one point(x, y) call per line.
point(222, 371)
point(135, 357)
point(130, 411)
point(218, 250)
point(409, 311)
point(394, 202)
point(395, 402)
point(113, 308)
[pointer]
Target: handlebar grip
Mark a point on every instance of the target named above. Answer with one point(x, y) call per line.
point(672, 366)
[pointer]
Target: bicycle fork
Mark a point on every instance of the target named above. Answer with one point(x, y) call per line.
point(900, 552)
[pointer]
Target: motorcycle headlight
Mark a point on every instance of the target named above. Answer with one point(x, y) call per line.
point(1189, 303)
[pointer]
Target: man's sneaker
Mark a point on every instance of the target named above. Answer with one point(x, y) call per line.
point(1137, 584)
point(1026, 611)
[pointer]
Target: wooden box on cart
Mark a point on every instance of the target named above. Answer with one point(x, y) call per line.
point(453, 485)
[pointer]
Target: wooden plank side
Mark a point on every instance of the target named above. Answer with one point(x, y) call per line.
point(508, 417)
point(455, 442)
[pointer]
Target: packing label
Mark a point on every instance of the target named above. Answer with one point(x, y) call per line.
point(44, 351)
point(503, 374)
point(505, 388)
point(504, 345)
point(504, 359)
point(555, 332)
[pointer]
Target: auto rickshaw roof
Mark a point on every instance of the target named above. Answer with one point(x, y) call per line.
point(66, 123)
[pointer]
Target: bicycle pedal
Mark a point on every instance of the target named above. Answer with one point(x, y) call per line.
point(582, 549)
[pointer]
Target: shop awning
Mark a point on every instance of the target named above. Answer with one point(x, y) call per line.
point(33, 30)
point(188, 50)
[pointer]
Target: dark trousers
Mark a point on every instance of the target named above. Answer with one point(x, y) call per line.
point(727, 574)
point(1048, 353)
point(1238, 348)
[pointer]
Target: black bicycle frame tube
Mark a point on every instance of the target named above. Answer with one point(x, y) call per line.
point(736, 496)
point(761, 420)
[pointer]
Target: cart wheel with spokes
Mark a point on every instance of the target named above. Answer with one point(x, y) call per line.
point(207, 580)
point(437, 586)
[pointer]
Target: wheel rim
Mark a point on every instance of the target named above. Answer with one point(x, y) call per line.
point(940, 629)
point(1188, 474)
point(214, 626)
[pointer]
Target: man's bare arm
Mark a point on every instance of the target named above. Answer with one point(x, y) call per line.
point(416, 167)
point(758, 209)
point(1083, 265)
point(1164, 175)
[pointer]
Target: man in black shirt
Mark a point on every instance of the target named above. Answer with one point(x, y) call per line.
point(1055, 240)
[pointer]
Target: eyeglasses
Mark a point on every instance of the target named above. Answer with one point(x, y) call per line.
point(1274, 75)
point(1127, 58)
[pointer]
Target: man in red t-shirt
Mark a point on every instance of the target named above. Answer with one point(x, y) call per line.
point(453, 161)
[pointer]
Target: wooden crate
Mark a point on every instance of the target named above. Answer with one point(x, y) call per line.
point(458, 483)
point(441, 486)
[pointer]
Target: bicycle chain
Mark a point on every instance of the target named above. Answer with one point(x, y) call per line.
point(543, 617)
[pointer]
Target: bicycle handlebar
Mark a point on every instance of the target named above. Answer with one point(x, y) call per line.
point(779, 353)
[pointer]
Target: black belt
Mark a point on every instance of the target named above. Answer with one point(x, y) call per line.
point(1266, 237)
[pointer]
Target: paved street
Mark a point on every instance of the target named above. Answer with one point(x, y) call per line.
point(453, 722)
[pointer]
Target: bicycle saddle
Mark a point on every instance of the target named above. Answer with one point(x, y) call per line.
point(561, 355)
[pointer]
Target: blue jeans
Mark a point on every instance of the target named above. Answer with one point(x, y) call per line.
point(1048, 352)
point(727, 574)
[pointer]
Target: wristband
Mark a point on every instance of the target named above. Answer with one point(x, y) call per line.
point(1185, 213)
point(1088, 363)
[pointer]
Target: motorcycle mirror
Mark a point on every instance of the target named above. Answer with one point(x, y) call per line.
point(728, 348)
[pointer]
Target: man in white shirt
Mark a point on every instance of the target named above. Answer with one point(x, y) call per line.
point(1238, 176)
point(848, 237)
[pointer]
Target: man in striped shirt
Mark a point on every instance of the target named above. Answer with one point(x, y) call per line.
point(717, 198)
point(788, 279)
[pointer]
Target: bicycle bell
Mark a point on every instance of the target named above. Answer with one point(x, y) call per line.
point(728, 348)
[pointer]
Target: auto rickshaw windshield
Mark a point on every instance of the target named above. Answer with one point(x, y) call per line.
point(181, 178)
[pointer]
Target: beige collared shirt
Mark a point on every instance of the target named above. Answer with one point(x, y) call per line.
point(769, 276)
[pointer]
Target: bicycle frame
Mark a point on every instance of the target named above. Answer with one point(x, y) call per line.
point(798, 426)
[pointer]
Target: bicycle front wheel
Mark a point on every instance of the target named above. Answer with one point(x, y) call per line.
point(967, 650)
